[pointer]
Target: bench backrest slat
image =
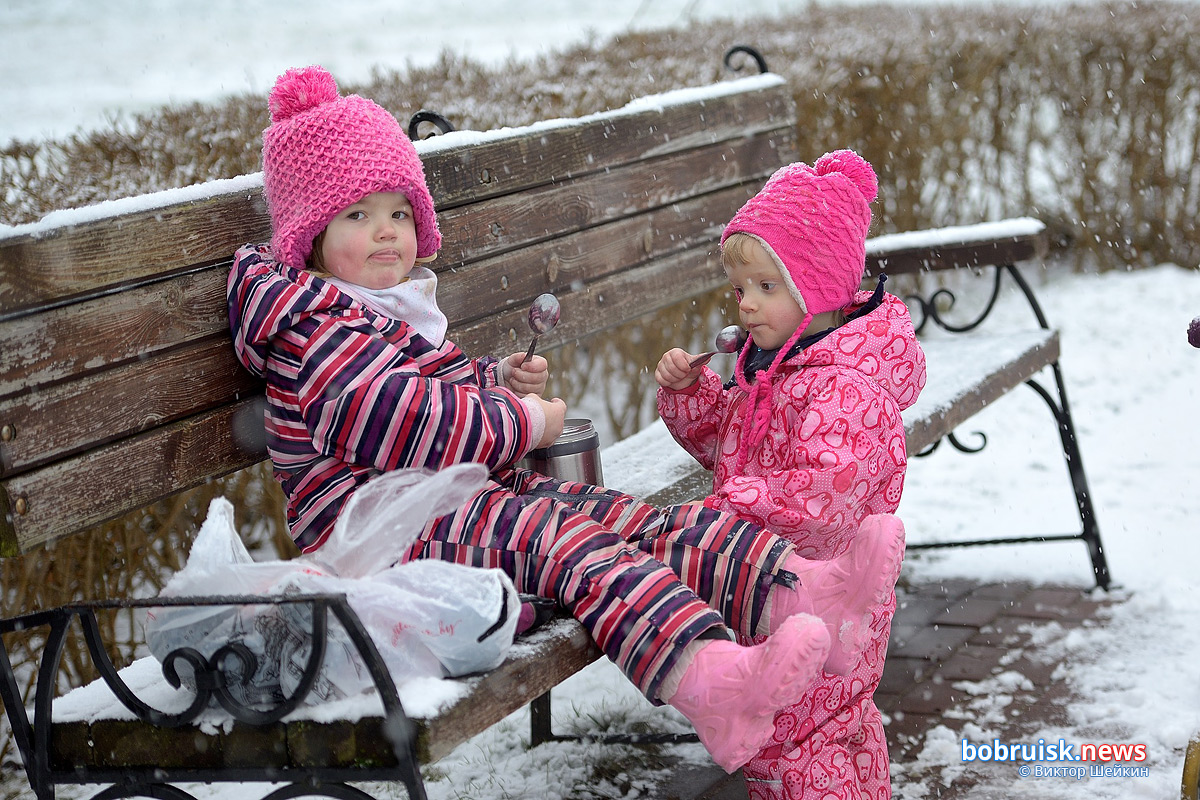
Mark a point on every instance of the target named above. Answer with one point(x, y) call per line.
point(105, 332)
point(71, 417)
point(131, 473)
point(117, 383)
point(981, 245)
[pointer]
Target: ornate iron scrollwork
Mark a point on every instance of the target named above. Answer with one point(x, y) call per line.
point(956, 443)
point(208, 678)
point(212, 678)
point(440, 123)
point(930, 311)
point(744, 49)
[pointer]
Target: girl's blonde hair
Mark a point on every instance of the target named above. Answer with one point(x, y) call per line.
point(736, 249)
point(315, 263)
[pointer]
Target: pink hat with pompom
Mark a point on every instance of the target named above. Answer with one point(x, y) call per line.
point(324, 152)
point(812, 221)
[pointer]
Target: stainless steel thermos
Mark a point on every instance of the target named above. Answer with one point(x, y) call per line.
point(574, 456)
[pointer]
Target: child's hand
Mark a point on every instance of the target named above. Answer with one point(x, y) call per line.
point(556, 414)
point(675, 371)
point(527, 378)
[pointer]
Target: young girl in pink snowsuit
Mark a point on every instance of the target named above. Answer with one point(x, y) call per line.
point(342, 322)
point(806, 439)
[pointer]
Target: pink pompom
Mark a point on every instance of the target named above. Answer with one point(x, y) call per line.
point(854, 167)
point(298, 90)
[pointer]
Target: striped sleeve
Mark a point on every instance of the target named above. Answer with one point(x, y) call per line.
point(365, 401)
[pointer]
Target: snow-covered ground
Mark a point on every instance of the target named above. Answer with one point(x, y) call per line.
point(1133, 383)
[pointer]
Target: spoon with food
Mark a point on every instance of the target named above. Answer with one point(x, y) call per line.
point(729, 340)
point(544, 313)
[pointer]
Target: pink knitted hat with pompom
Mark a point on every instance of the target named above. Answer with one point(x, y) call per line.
point(324, 152)
point(813, 223)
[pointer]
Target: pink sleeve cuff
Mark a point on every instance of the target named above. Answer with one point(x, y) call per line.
point(692, 389)
point(537, 419)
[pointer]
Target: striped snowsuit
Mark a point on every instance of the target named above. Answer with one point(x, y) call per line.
point(833, 453)
point(352, 394)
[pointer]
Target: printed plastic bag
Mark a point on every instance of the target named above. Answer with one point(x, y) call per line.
point(427, 618)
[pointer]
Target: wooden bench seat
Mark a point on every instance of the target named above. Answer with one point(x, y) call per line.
point(93, 727)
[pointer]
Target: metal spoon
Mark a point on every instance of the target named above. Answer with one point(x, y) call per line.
point(729, 340)
point(544, 314)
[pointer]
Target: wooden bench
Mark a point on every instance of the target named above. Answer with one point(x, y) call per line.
point(968, 368)
point(119, 387)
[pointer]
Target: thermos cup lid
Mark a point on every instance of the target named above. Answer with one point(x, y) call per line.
point(578, 436)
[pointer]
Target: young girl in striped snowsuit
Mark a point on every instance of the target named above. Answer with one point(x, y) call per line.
point(806, 439)
point(340, 318)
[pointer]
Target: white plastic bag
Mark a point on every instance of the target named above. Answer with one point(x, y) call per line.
point(427, 618)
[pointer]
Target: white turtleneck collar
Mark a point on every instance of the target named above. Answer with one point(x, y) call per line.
point(414, 301)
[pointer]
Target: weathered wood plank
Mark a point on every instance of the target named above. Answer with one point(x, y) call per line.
point(951, 254)
point(93, 487)
point(967, 384)
point(71, 417)
point(535, 670)
point(107, 252)
point(90, 258)
point(496, 284)
point(603, 141)
point(111, 330)
point(596, 307)
point(571, 204)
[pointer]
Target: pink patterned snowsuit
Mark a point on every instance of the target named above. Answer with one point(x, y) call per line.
point(833, 454)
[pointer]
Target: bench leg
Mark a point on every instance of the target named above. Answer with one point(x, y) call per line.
point(1083, 497)
point(540, 731)
point(1090, 533)
point(1066, 432)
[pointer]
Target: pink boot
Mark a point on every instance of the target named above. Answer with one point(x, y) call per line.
point(844, 591)
point(731, 693)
